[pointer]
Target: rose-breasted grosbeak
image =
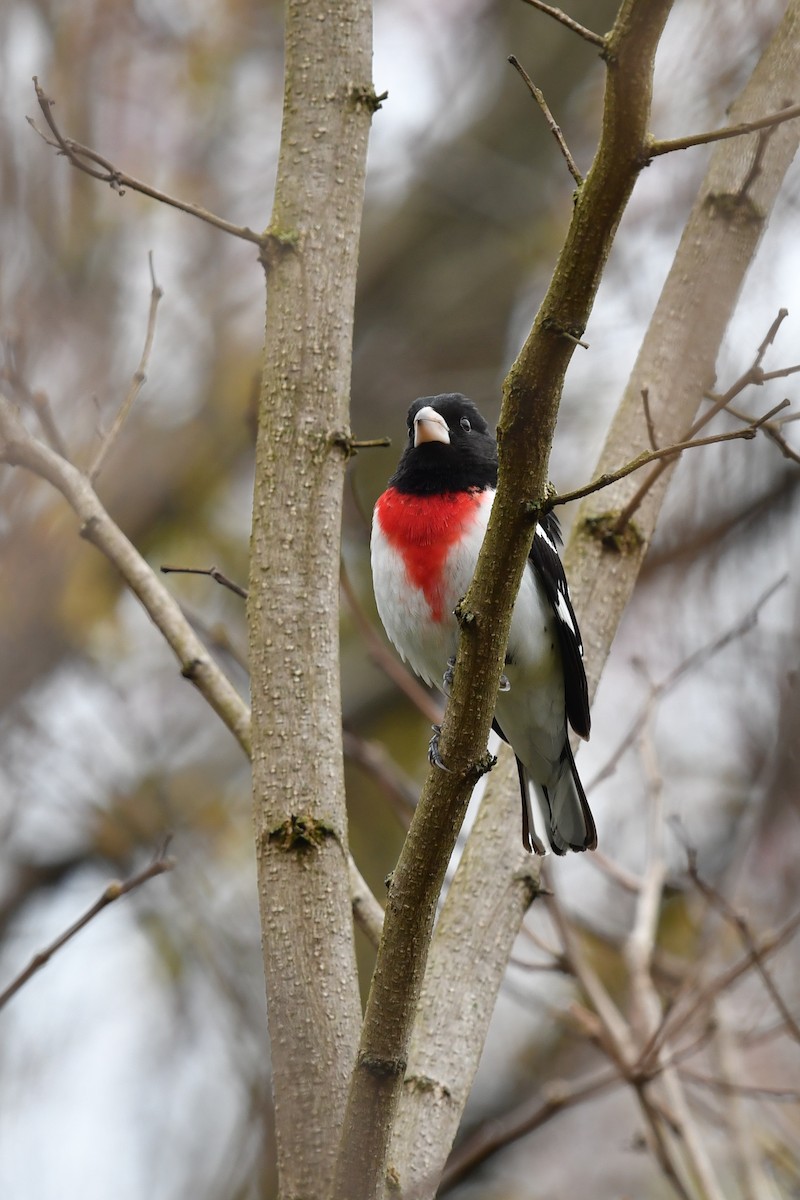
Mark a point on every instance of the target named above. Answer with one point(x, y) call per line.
point(427, 531)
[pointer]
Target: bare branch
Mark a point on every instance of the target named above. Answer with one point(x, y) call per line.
point(137, 382)
point(92, 163)
point(113, 891)
point(627, 880)
point(667, 453)
point(738, 922)
point(726, 131)
point(366, 909)
point(393, 782)
point(523, 442)
point(19, 448)
point(587, 34)
point(615, 1034)
point(777, 1095)
point(772, 428)
point(753, 375)
point(648, 416)
point(673, 1024)
point(555, 129)
point(499, 1131)
point(691, 663)
point(213, 572)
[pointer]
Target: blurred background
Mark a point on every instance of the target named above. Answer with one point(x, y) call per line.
point(136, 1063)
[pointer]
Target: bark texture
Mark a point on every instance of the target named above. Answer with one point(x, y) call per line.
point(470, 950)
point(312, 993)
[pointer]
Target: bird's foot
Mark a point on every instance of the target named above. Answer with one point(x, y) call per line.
point(447, 678)
point(434, 757)
point(504, 686)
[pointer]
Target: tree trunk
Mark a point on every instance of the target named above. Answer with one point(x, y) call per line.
point(299, 805)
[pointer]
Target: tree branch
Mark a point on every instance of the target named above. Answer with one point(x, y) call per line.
point(680, 1016)
point(302, 449)
point(569, 22)
point(137, 382)
point(91, 163)
point(213, 573)
point(555, 129)
point(113, 891)
point(753, 375)
point(667, 146)
point(19, 448)
point(666, 453)
point(741, 926)
point(533, 1112)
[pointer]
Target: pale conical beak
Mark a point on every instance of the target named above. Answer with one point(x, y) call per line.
point(430, 426)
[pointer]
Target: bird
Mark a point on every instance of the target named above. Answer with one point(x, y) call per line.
point(427, 530)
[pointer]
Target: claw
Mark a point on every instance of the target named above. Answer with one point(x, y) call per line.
point(434, 757)
point(505, 686)
point(447, 678)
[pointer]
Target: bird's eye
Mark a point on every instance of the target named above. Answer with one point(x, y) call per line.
point(465, 425)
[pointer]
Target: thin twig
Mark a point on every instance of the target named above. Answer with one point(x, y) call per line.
point(679, 1132)
point(18, 447)
point(40, 404)
point(640, 943)
point(213, 572)
point(754, 170)
point(395, 784)
point(627, 880)
point(137, 381)
point(113, 891)
point(694, 660)
point(587, 34)
point(673, 1024)
point(499, 1131)
point(753, 375)
point(37, 400)
point(648, 416)
point(668, 145)
point(555, 129)
point(667, 453)
point(92, 163)
point(738, 922)
point(614, 1032)
point(772, 428)
point(777, 1095)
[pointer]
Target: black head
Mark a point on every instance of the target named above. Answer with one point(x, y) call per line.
point(450, 448)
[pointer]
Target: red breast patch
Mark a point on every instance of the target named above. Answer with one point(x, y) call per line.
point(424, 529)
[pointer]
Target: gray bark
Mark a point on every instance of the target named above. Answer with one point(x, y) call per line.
point(312, 991)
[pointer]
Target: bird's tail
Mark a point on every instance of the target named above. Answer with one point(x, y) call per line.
point(556, 817)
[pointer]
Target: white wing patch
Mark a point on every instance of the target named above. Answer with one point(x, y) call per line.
point(542, 533)
point(563, 613)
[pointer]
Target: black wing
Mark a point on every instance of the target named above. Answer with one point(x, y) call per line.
point(547, 564)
